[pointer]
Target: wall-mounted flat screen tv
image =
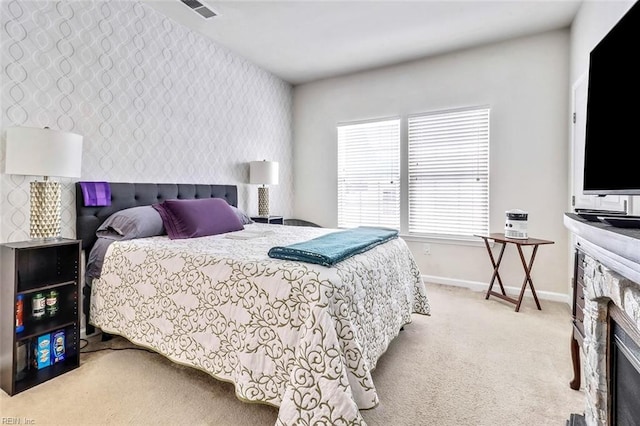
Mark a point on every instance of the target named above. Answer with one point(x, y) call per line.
point(611, 162)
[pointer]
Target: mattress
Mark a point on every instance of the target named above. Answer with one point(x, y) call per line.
point(300, 336)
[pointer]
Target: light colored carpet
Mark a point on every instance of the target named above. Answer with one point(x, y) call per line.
point(472, 362)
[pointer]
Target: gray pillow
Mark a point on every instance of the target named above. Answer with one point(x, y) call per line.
point(96, 258)
point(244, 218)
point(136, 222)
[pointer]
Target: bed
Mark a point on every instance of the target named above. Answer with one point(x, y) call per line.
point(296, 335)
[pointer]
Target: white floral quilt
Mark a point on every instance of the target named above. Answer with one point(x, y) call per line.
point(299, 336)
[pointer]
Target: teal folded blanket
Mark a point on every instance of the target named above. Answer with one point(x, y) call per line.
point(332, 248)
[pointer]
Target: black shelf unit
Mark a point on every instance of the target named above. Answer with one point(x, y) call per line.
point(27, 268)
point(277, 220)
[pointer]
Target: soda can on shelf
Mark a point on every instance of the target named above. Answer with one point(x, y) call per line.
point(38, 304)
point(52, 303)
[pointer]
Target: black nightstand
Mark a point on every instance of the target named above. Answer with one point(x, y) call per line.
point(276, 220)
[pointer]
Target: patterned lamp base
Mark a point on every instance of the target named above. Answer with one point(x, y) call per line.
point(263, 201)
point(45, 209)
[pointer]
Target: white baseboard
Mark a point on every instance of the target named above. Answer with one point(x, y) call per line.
point(511, 291)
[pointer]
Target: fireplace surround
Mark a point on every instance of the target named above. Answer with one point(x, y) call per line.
point(611, 296)
point(624, 369)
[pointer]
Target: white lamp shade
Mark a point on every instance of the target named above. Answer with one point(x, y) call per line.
point(263, 172)
point(33, 151)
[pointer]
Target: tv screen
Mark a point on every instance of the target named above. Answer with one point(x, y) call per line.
point(611, 164)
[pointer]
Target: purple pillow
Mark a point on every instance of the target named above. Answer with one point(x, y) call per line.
point(197, 218)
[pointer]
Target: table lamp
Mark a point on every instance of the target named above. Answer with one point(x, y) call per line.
point(263, 173)
point(43, 152)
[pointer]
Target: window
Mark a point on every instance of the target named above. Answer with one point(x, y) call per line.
point(449, 172)
point(446, 189)
point(369, 174)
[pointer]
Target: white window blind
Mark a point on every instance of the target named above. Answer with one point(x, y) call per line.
point(369, 174)
point(449, 172)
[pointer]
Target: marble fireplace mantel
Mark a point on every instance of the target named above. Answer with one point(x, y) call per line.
point(618, 248)
point(611, 275)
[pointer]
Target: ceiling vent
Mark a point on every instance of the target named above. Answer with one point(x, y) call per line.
point(201, 9)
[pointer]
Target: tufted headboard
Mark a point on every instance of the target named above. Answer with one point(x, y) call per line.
point(126, 195)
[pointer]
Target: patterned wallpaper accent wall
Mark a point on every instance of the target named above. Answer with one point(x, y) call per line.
point(155, 102)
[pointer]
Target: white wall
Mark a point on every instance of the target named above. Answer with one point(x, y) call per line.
point(591, 24)
point(155, 102)
point(524, 81)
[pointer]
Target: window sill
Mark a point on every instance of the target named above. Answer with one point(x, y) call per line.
point(452, 240)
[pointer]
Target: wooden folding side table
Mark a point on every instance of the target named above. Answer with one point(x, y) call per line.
point(501, 239)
